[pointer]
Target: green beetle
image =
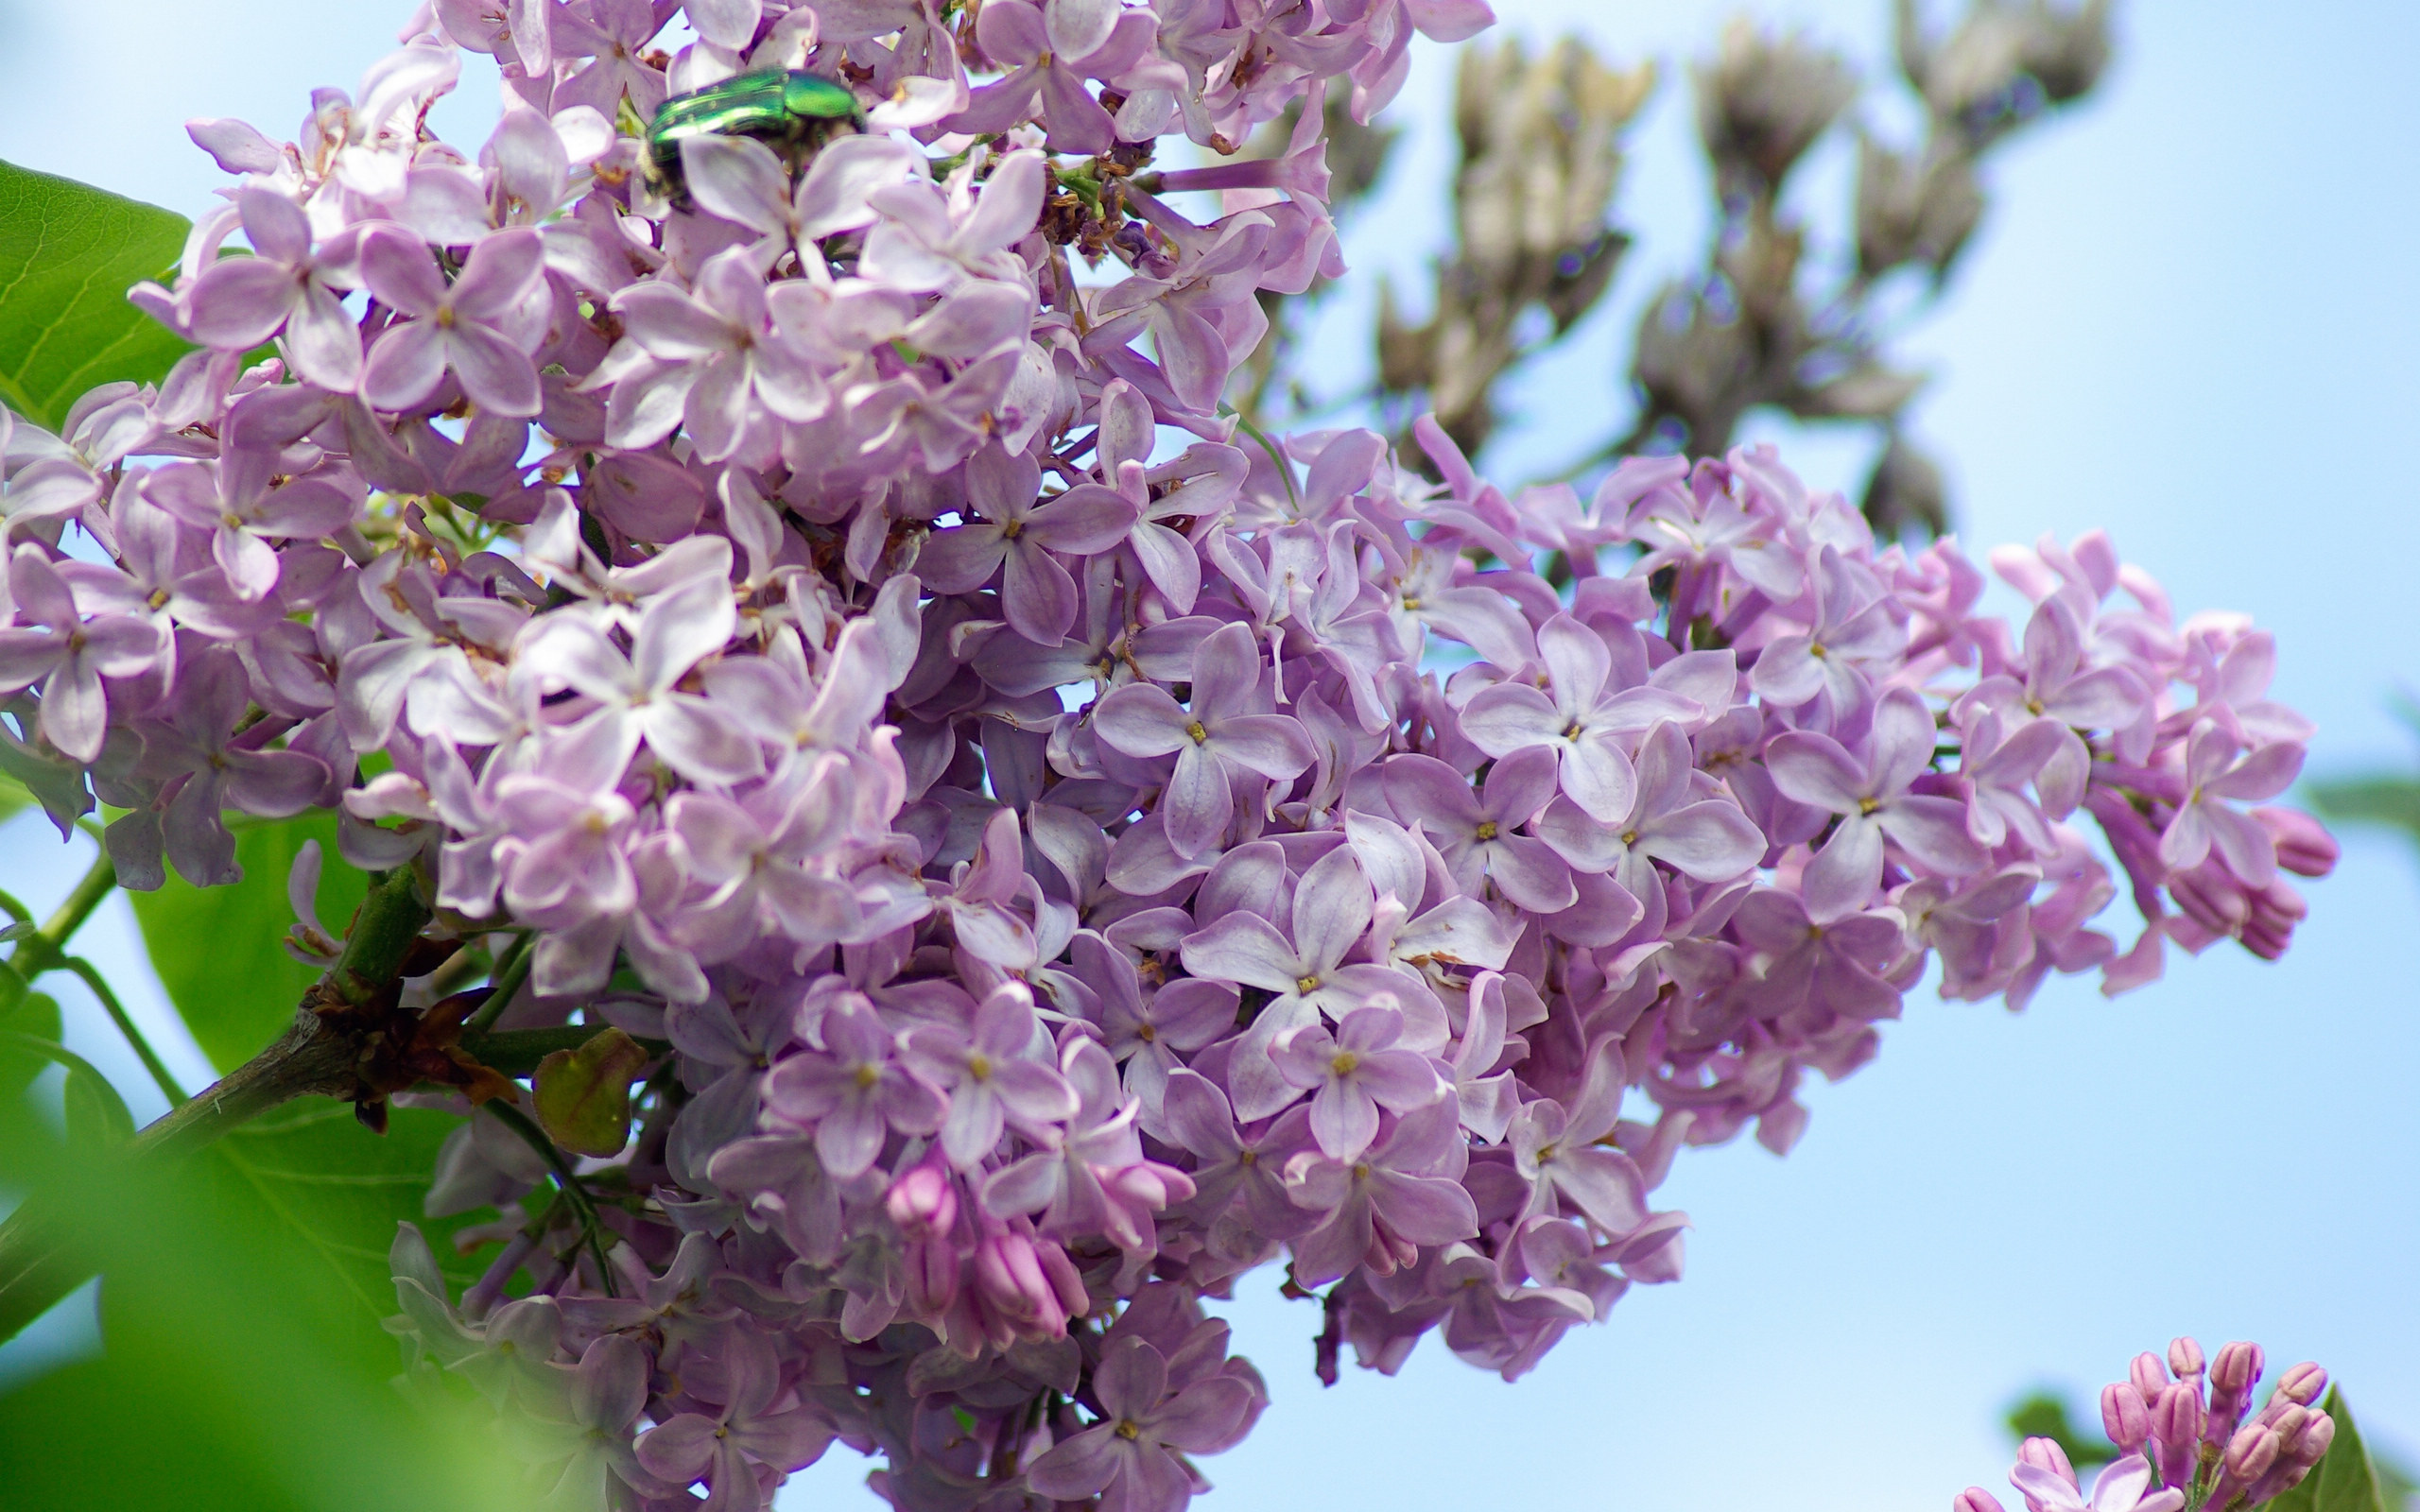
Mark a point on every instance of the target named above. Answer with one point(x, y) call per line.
point(791, 112)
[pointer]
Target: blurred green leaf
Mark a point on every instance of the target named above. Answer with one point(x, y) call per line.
point(2044, 1415)
point(220, 951)
point(96, 1115)
point(2345, 1481)
point(230, 1380)
point(68, 253)
point(311, 1179)
point(13, 797)
point(35, 1016)
point(2380, 799)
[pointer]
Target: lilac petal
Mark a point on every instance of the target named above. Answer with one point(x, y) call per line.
point(1343, 1118)
point(1273, 745)
point(679, 1449)
point(1170, 561)
point(1712, 841)
point(1142, 720)
point(739, 180)
point(324, 342)
point(1079, 1467)
point(75, 710)
point(1036, 592)
point(787, 1440)
point(1085, 519)
point(1203, 1417)
point(399, 272)
point(499, 273)
point(1932, 830)
point(701, 742)
point(1008, 207)
point(1131, 1379)
point(1813, 769)
point(1198, 804)
point(496, 374)
point(274, 785)
point(1505, 718)
point(249, 563)
point(1530, 873)
point(404, 365)
point(1846, 872)
point(1424, 1210)
point(1599, 779)
point(238, 303)
point(1240, 947)
point(832, 196)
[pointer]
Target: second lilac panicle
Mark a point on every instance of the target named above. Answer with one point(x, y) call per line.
point(2186, 1439)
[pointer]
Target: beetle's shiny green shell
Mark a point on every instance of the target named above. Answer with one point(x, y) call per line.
point(773, 106)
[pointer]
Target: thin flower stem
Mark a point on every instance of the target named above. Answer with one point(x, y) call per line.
point(565, 1178)
point(15, 909)
point(41, 1258)
point(42, 951)
point(117, 1010)
point(509, 978)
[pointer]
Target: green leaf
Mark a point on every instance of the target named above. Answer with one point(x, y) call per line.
point(96, 1115)
point(68, 253)
point(2345, 1481)
point(313, 1182)
point(220, 951)
point(2378, 798)
point(583, 1095)
point(2044, 1415)
point(36, 1016)
point(15, 795)
point(229, 1384)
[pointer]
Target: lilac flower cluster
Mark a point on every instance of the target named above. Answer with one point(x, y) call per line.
point(2188, 1437)
point(1078, 850)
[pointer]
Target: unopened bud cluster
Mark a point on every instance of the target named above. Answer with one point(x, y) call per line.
point(2187, 1436)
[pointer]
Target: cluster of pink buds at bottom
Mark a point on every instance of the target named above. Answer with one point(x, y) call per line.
point(2188, 1437)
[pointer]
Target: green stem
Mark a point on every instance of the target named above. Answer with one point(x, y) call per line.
point(43, 949)
point(117, 1010)
point(517, 1052)
point(41, 1259)
point(540, 1140)
point(509, 980)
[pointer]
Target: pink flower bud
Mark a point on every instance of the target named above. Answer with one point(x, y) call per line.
point(1064, 1282)
point(2287, 1420)
point(2303, 1384)
point(2184, 1356)
point(922, 1202)
point(1975, 1498)
point(1008, 1278)
point(2232, 1373)
point(2149, 1375)
point(2045, 1454)
point(2177, 1420)
point(2124, 1416)
point(2317, 1435)
point(2237, 1367)
point(2250, 1452)
point(2303, 846)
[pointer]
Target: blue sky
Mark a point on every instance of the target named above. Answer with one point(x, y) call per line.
point(2190, 318)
